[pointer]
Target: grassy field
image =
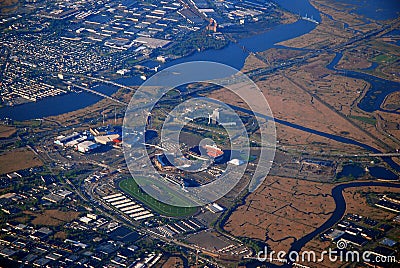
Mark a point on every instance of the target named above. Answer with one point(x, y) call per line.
point(367, 120)
point(384, 58)
point(53, 217)
point(17, 160)
point(6, 131)
point(130, 186)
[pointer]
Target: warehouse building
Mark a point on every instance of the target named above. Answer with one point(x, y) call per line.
point(86, 146)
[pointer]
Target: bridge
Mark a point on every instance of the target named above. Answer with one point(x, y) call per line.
point(385, 155)
point(108, 82)
point(155, 146)
point(97, 93)
point(260, 71)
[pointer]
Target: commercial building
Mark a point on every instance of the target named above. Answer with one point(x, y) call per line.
point(62, 140)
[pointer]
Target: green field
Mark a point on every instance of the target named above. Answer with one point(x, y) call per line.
point(131, 187)
point(367, 120)
point(383, 58)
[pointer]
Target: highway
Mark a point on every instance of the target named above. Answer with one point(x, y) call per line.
point(387, 28)
point(252, 74)
point(115, 214)
point(384, 155)
point(261, 71)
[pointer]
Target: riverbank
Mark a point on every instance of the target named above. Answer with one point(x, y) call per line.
point(261, 42)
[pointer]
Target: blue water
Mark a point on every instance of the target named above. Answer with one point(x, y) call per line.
point(382, 173)
point(338, 212)
point(351, 171)
point(278, 34)
point(356, 171)
point(394, 33)
point(341, 139)
point(55, 105)
point(378, 91)
point(232, 55)
point(301, 8)
point(375, 9)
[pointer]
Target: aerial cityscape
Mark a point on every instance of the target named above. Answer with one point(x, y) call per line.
point(200, 133)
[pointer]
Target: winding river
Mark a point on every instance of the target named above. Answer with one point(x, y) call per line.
point(376, 94)
point(338, 213)
point(340, 209)
point(380, 88)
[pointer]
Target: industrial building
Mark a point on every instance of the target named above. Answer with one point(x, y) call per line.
point(214, 208)
point(86, 146)
point(106, 139)
point(63, 140)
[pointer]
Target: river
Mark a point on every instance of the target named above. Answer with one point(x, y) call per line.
point(338, 213)
point(372, 101)
point(232, 55)
point(376, 94)
point(340, 209)
point(73, 101)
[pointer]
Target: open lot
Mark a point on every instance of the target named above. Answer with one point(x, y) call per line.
point(17, 160)
point(282, 209)
point(6, 131)
point(53, 217)
point(208, 240)
point(173, 262)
